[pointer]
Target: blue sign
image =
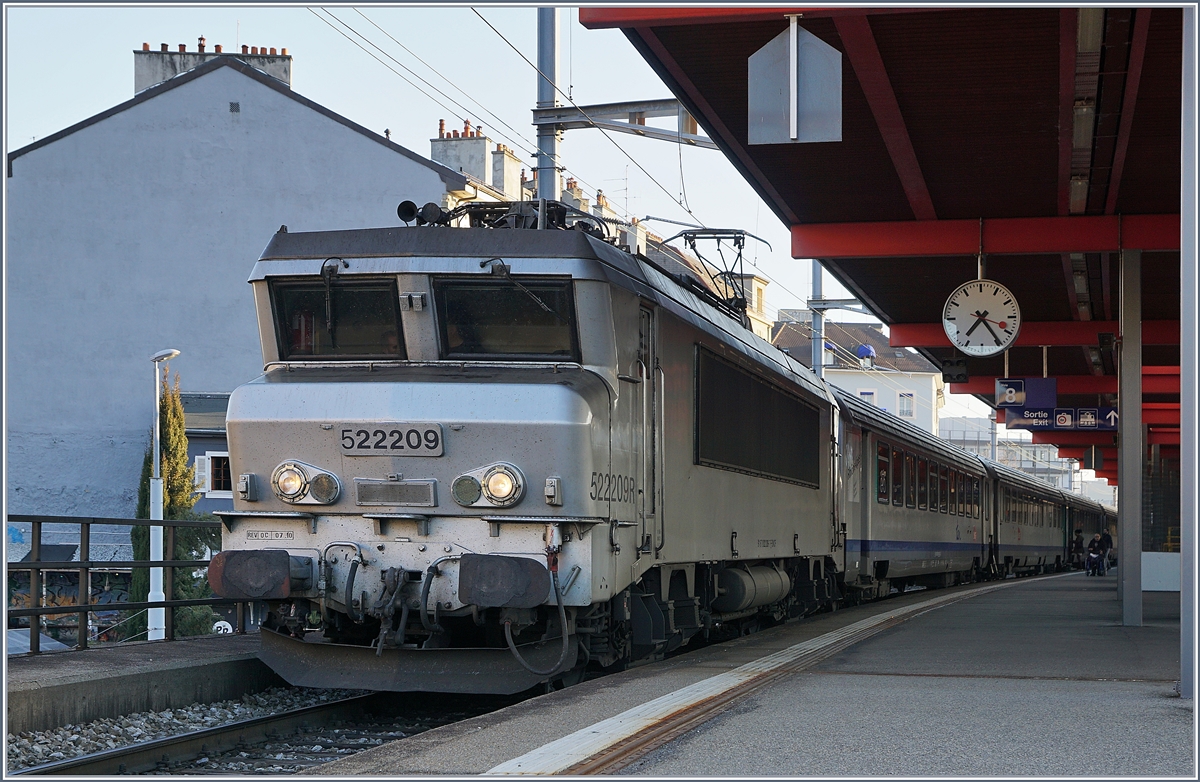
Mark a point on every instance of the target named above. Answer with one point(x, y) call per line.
point(1093, 419)
point(1026, 392)
point(1100, 419)
point(1029, 418)
point(1010, 393)
point(1041, 392)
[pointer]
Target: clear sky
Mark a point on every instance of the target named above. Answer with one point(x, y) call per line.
point(64, 64)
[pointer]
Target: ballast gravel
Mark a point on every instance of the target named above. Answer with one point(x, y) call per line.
point(33, 748)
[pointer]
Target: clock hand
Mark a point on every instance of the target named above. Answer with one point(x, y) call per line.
point(980, 318)
point(988, 326)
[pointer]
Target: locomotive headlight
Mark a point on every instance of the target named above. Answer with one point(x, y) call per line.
point(289, 482)
point(304, 484)
point(502, 485)
point(324, 488)
point(466, 490)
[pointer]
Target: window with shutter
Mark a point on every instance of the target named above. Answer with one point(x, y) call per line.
point(201, 465)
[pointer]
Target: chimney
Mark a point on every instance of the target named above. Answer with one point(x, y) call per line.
point(254, 50)
point(507, 173)
point(467, 152)
point(150, 68)
point(441, 128)
point(572, 195)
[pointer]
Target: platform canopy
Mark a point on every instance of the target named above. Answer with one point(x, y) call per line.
point(1047, 138)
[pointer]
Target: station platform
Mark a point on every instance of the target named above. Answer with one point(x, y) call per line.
point(1028, 677)
point(69, 687)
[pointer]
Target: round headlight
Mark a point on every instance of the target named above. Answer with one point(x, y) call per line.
point(466, 490)
point(289, 482)
point(502, 485)
point(324, 488)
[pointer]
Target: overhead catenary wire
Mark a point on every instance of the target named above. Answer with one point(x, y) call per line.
point(531, 148)
point(526, 147)
point(457, 107)
point(576, 106)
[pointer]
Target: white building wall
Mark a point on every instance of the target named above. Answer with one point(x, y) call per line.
point(888, 386)
point(137, 234)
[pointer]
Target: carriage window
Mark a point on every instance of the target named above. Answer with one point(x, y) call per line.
point(944, 489)
point(910, 480)
point(975, 499)
point(954, 493)
point(883, 457)
point(350, 319)
point(933, 486)
point(506, 319)
point(962, 494)
point(922, 483)
point(897, 476)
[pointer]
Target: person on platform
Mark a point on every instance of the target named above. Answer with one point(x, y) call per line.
point(1107, 542)
point(1077, 549)
point(1096, 547)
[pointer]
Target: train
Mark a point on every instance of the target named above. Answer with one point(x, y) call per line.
point(496, 449)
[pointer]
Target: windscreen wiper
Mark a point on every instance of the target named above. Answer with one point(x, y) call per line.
point(329, 270)
point(501, 269)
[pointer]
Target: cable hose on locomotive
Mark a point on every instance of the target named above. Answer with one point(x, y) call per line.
point(432, 627)
point(350, 592)
point(566, 641)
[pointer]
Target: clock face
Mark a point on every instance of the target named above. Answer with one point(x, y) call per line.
point(982, 318)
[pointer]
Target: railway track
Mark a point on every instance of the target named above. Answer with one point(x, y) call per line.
point(163, 753)
point(280, 743)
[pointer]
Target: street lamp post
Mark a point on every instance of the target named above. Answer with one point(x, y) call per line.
point(157, 617)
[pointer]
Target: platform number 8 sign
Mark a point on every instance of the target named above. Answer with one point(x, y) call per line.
point(1010, 393)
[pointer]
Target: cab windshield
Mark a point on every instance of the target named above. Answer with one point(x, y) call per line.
point(510, 319)
point(346, 320)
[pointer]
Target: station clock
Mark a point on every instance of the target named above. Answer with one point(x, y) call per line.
point(982, 318)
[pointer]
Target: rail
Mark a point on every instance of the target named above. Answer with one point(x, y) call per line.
point(83, 604)
point(149, 755)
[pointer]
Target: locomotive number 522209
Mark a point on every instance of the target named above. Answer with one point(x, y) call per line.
point(391, 439)
point(608, 487)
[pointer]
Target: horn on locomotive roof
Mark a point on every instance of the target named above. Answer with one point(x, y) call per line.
point(512, 214)
point(431, 213)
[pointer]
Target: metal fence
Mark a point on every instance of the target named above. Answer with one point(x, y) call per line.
point(83, 605)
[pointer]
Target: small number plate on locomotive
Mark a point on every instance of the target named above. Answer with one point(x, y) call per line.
point(270, 534)
point(391, 439)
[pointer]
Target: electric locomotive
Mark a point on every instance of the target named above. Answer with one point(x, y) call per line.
point(495, 449)
point(488, 456)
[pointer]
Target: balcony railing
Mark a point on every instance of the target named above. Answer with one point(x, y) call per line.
point(83, 605)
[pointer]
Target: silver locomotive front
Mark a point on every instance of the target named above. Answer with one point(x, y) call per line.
point(412, 470)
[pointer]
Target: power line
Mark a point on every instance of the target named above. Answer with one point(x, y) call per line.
point(531, 148)
point(457, 105)
point(588, 118)
point(427, 95)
